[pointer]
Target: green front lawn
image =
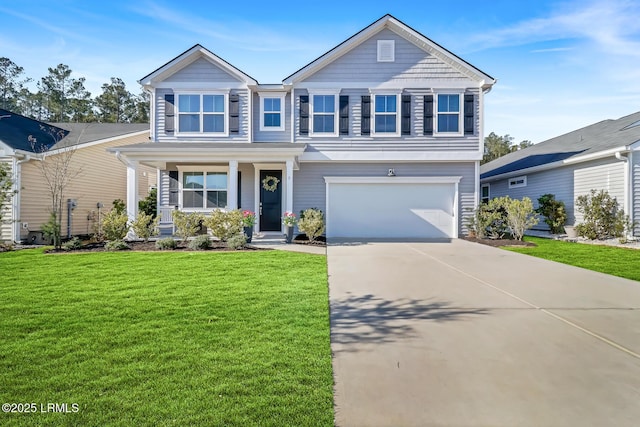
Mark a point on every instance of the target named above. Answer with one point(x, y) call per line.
point(620, 262)
point(158, 339)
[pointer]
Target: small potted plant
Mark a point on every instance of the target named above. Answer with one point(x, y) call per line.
point(248, 221)
point(289, 220)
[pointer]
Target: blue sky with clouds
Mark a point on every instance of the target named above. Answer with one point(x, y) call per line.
point(560, 65)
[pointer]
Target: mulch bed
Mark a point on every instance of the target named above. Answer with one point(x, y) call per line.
point(496, 243)
point(151, 247)
point(302, 239)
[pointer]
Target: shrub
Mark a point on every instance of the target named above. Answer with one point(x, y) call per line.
point(311, 223)
point(145, 226)
point(187, 224)
point(51, 230)
point(554, 212)
point(225, 224)
point(114, 224)
point(115, 245)
point(200, 243)
point(237, 241)
point(603, 218)
point(520, 216)
point(119, 206)
point(166, 243)
point(149, 204)
point(72, 244)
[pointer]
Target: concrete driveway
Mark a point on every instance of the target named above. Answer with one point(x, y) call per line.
point(459, 334)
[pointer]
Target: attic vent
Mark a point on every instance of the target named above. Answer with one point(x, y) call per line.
point(386, 50)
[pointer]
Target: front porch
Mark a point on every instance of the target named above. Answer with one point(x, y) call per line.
point(199, 177)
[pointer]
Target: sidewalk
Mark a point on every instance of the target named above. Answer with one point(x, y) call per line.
point(276, 241)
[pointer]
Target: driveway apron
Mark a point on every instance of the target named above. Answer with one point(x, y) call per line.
point(452, 333)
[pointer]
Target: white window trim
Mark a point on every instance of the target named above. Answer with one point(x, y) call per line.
point(488, 187)
point(398, 112)
point(265, 95)
point(460, 113)
point(201, 93)
point(336, 108)
point(513, 184)
point(203, 169)
point(390, 44)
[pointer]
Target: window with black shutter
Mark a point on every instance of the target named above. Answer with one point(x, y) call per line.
point(428, 114)
point(406, 115)
point(365, 124)
point(169, 113)
point(304, 114)
point(344, 115)
point(468, 114)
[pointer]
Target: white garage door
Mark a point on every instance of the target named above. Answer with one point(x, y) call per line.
point(392, 207)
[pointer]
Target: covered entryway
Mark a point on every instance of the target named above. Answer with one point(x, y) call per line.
point(392, 207)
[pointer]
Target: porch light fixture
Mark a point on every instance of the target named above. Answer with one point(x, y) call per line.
point(392, 172)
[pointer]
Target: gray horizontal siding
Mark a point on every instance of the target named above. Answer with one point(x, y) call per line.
point(309, 187)
point(355, 141)
point(567, 183)
point(202, 70)
point(162, 136)
point(271, 136)
point(361, 64)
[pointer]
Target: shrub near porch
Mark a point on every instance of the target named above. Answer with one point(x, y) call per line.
point(167, 338)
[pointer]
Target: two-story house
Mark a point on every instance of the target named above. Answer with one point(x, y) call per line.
point(383, 133)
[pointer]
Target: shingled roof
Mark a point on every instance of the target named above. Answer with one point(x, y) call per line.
point(592, 139)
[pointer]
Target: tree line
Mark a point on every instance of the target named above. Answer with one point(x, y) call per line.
point(62, 98)
point(496, 146)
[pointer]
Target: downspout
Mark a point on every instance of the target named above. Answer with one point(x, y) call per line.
point(627, 192)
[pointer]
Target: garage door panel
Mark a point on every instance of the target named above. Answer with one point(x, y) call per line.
point(391, 210)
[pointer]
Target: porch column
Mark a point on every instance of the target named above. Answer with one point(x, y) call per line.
point(132, 189)
point(232, 196)
point(289, 187)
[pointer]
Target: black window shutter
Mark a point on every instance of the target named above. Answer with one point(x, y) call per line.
point(344, 115)
point(428, 114)
point(365, 125)
point(468, 114)
point(239, 188)
point(174, 187)
point(169, 113)
point(234, 113)
point(304, 114)
point(406, 115)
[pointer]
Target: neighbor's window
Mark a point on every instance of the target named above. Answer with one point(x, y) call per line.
point(272, 112)
point(324, 113)
point(448, 113)
point(484, 196)
point(386, 114)
point(519, 181)
point(201, 113)
point(201, 190)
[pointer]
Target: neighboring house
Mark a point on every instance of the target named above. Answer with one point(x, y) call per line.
point(602, 156)
point(383, 133)
point(99, 176)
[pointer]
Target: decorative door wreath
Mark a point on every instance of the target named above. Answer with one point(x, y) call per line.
point(270, 183)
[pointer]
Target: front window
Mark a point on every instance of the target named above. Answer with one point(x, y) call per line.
point(201, 113)
point(449, 113)
point(272, 113)
point(484, 197)
point(324, 113)
point(201, 190)
point(386, 113)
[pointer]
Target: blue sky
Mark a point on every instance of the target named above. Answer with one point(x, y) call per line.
point(560, 65)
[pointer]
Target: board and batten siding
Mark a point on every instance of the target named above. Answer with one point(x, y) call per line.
point(270, 135)
point(309, 187)
point(361, 64)
point(7, 212)
point(202, 70)
point(567, 183)
point(160, 114)
point(101, 177)
point(355, 141)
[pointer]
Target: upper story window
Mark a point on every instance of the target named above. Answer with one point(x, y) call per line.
point(272, 112)
point(448, 114)
point(202, 113)
point(324, 114)
point(386, 114)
